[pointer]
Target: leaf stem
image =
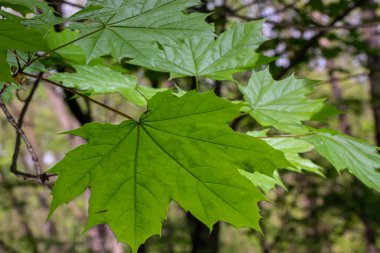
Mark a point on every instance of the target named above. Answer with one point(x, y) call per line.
point(81, 95)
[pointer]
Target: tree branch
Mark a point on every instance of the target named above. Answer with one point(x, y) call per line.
point(40, 177)
point(298, 56)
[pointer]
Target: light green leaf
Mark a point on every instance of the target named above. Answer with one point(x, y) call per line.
point(264, 182)
point(181, 149)
point(101, 80)
point(292, 147)
point(118, 27)
point(345, 152)
point(281, 104)
point(232, 52)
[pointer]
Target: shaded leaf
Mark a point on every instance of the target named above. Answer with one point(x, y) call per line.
point(232, 52)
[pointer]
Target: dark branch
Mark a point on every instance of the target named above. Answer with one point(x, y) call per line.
point(298, 56)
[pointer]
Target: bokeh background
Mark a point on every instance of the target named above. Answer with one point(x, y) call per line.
point(334, 41)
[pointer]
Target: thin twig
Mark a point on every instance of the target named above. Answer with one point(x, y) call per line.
point(324, 28)
point(29, 146)
point(20, 123)
point(5, 86)
point(298, 56)
point(81, 95)
point(17, 56)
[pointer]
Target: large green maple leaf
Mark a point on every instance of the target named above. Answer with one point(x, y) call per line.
point(181, 149)
point(232, 52)
point(282, 104)
point(118, 27)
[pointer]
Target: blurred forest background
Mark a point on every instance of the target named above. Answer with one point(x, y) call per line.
point(335, 41)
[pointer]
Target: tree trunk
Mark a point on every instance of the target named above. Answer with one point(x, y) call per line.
point(202, 240)
point(373, 57)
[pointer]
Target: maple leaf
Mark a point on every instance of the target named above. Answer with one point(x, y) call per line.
point(181, 149)
point(101, 80)
point(232, 52)
point(281, 104)
point(118, 27)
point(345, 152)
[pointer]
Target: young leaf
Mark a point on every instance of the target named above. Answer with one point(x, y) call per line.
point(281, 104)
point(100, 80)
point(345, 152)
point(181, 149)
point(291, 147)
point(264, 182)
point(119, 26)
point(232, 52)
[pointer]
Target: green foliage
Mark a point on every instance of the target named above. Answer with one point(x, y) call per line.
point(281, 104)
point(292, 147)
point(119, 27)
point(232, 52)
point(181, 149)
point(345, 152)
point(13, 35)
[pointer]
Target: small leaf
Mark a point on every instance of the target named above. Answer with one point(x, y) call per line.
point(264, 182)
point(281, 104)
point(181, 149)
point(292, 147)
point(345, 152)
